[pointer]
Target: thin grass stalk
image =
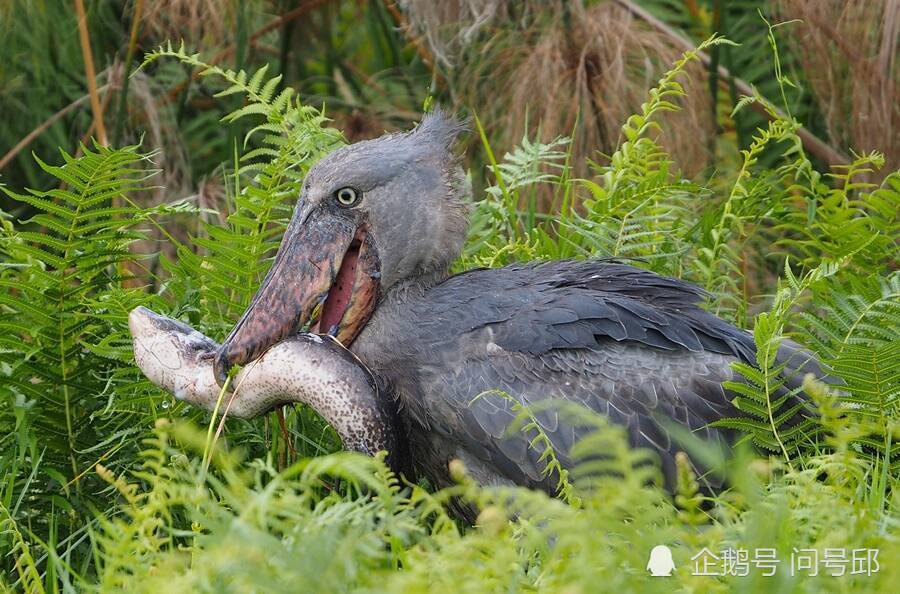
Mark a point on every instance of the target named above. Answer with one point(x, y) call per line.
point(129, 58)
point(89, 72)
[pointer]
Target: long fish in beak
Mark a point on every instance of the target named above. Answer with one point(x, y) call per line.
point(324, 259)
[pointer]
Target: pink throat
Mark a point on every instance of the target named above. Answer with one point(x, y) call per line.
point(341, 291)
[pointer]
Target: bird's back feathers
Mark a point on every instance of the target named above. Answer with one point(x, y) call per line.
point(621, 341)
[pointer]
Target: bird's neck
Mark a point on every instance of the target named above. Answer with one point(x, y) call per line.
point(413, 287)
point(383, 339)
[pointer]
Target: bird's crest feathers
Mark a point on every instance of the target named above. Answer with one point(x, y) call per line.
point(441, 127)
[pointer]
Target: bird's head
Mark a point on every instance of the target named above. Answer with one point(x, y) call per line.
point(371, 215)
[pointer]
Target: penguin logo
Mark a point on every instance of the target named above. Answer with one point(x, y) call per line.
point(660, 563)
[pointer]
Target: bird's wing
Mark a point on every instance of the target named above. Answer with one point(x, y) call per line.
point(535, 308)
point(621, 341)
point(635, 386)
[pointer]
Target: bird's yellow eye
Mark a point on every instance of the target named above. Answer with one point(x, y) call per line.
point(347, 196)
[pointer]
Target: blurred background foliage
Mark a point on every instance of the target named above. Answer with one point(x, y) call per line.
point(548, 67)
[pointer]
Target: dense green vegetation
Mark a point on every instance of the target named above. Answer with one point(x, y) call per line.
point(106, 483)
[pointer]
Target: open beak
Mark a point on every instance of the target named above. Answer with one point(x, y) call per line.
point(323, 260)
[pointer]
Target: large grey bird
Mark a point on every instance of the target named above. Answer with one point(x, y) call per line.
point(367, 256)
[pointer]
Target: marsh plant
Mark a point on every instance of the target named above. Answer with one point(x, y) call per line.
point(109, 485)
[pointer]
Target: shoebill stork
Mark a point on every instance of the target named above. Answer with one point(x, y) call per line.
point(368, 253)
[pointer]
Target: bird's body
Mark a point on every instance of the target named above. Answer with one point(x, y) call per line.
point(617, 340)
point(377, 227)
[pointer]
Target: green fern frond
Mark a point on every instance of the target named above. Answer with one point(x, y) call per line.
point(776, 415)
point(858, 312)
point(62, 302)
point(850, 220)
point(649, 221)
point(229, 262)
point(873, 379)
point(529, 163)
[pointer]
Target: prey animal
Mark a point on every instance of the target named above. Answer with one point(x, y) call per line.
point(306, 368)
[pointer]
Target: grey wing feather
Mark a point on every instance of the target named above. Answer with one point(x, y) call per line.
point(686, 389)
point(622, 341)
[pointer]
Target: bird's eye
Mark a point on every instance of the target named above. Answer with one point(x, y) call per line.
point(347, 196)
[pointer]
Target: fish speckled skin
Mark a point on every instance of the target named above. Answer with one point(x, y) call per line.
point(307, 368)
